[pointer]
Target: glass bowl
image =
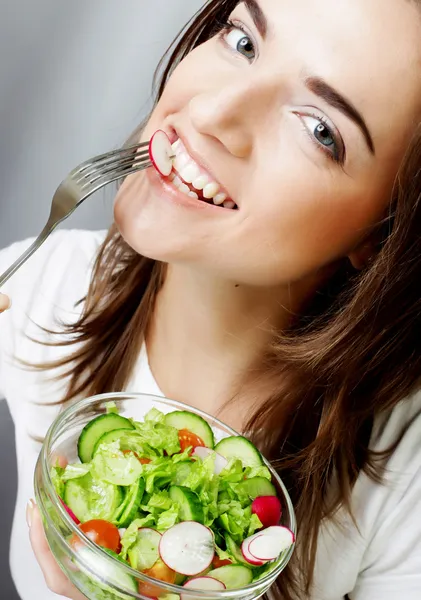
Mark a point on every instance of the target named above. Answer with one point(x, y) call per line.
point(93, 571)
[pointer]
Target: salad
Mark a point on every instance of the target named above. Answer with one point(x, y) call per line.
point(161, 496)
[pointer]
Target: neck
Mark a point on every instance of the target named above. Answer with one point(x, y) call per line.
point(208, 336)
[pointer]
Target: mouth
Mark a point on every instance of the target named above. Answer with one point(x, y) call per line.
point(191, 179)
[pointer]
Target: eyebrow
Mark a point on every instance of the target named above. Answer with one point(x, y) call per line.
point(326, 92)
point(258, 16)
point(317, 85)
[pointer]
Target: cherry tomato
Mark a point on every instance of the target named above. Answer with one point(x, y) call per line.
point(158, 571)
point(217, 562)
point(100, 532)
point(143, 461)
point(187, 438)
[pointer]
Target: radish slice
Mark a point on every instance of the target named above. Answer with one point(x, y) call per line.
point(202, 583)
point(187, 548)
point(70, 512)
point(203, 453)
point(269, 543)
point(160, 151)
point(268, 509)
point(252, 560)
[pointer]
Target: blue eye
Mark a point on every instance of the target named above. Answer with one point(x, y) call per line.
point(237, 39)
point(324, 136)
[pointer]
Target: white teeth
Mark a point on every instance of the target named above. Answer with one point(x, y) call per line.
point(193, 195)
point(190, 172)
point(229, 204)
point(200, 182)
point(180, 161)
point(210, 190)
point(176, 144)
point(180, 185)
point(219, 198)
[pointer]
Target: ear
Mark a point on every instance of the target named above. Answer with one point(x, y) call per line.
point(362, 254)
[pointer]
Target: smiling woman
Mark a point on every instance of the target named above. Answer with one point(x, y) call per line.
point(272, 278)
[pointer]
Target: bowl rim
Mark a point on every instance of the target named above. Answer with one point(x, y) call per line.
point(84, 403)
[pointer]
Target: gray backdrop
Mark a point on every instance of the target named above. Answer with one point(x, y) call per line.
point(75, 80)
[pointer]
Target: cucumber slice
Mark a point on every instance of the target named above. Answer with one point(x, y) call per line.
point(257, 486)
point(96, 428)
point(183, 419)
point(233, 576)
point(190, 506)
point(239, 447)
point(144, 554)
point(235, 551)
point(91, 499)
point(105, 570)
point(131, 503)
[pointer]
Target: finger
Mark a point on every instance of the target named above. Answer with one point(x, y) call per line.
point(5, 302)
point(55, 579)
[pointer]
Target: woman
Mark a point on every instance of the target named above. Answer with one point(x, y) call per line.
point(292, 312)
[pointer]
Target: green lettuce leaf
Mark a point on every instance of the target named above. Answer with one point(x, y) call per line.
point(155, 415)
point(75, 471)
point(233, 472)
point(57, 479)
point(160, 500)
point(111, 407)
point(167, 518)
point(129, 537)
point(158, 474)
point(159, 436)
point(260, 471)
point(254, 525)
point(111, 465)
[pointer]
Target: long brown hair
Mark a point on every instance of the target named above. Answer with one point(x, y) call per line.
point(351, 358)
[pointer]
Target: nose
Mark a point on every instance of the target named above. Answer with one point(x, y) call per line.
point(232, 114)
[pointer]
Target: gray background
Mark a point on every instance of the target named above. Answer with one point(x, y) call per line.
point(75, 80)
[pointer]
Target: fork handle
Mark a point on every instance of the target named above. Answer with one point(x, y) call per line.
point(50, 225)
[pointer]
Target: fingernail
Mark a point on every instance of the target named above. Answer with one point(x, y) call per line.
point(5, 302)
point(29, 510)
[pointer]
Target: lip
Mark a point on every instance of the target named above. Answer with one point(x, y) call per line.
point(167, 190)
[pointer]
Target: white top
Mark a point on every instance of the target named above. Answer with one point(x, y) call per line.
point(379, 561)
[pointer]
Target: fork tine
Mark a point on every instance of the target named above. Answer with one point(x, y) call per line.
point(110, 164)
point(112, 174)
point(96, 160)
point(100, 182)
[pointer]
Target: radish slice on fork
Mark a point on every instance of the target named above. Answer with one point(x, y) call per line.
point(161, 152)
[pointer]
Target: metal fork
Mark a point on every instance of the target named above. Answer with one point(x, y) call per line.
point(81, 183)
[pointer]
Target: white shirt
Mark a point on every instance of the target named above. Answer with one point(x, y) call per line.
point(379, 561)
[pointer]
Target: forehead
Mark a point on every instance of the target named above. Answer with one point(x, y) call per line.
point(370, 50)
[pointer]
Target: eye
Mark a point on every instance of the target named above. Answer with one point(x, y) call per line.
point(237, 39)
point(325, 136)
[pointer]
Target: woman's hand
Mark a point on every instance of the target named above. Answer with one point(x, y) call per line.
point(4, 303)
point(53, 575)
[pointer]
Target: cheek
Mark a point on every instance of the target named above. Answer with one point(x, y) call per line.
point(307, 224)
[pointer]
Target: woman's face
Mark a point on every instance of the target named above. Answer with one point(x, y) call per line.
point(301, 113)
